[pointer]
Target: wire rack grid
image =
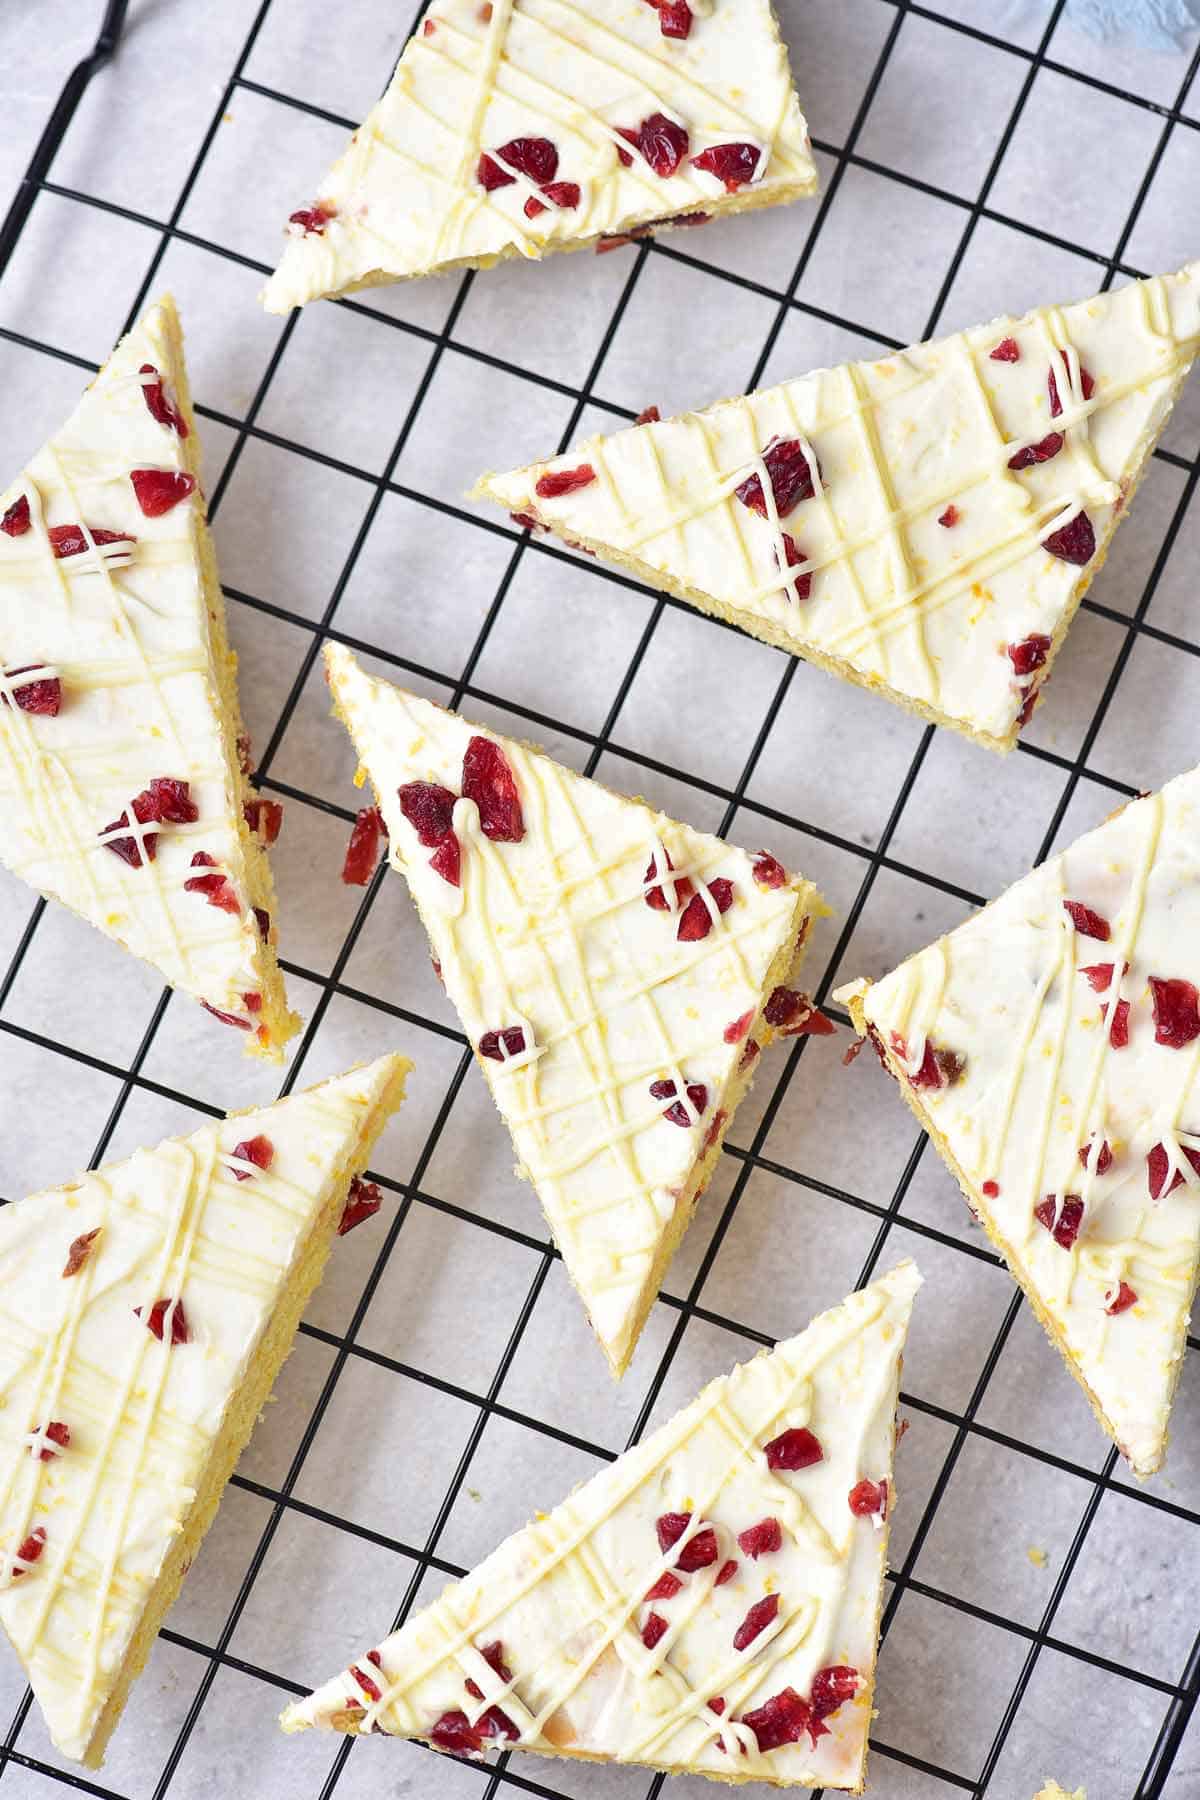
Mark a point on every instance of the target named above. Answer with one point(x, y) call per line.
point(1015, 1644)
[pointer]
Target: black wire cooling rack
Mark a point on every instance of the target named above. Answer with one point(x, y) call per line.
point(916, 1774)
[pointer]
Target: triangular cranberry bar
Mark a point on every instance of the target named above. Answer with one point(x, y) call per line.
point(616, 974)
point(147, 1308)
point(709, 1603)
point(121, 745)
point(519, 127)
point(1051, 1048)
point(925, 525)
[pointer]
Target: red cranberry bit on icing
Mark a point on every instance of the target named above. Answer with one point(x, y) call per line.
point(30, 1551)
point(717, 1705)
point(990, 1190)
point(428, 28)
point(561, 193)
point(1158, 1166)
point(832, 1687)
point(488, 780)
point(867, 1497)
point(312, 220)
point(1070, 1217)
point(769, 872)
point(534, 157)
point(1176, 1011)
point(1029, 654)
point(491, 176)
point(662, 142)
point(557, 482)
point(939, 1068)
point(1086, 384)
point(696, 922)
point(657, 896)
point(58, 1438)
point(674, 18)
point(756, 1620)
point(68, 540)
point(1087, 922)
point(801, 585)
point(725, 1573)
point(697, 1553)
point(252, 1002)
point(527, 521)
point(950, 517)
point(370, 1688)
point(262, 919)
point(41, 695)
point(215, 887)
point(654, 1628)
point(1099, 976)
point(1103, 1158)
point(794, 1015)
point(1074, 542)
point(732, 164)
point(761, 1539)
point(1118, 1031)
point(733, 1034)
point(1032, 696)
point(160, 490)
point(748, 1054)
point(678, 1114)
point(794, 1449)
point(649, 415)
point(783, 1719)
point(162, 406)
point(791, 477)
point(166, 801)
point(498, 1046)
point(80, 1250)
point(16, 520)
point(264, 818)
point(1007, 350)
point(156, 1320)
point(362, 852)
point(363, 1202)
point(495, 1722)
point(452, 1732)
point(1041, 452)
point(257, 1150)
point(446, 861)
point(227, 1018)
point(429, 809)
point(665, 1588)
point(1121, 1301)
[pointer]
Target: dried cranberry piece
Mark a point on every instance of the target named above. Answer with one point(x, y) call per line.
point(1099, 975)
point(674, 18)
point(80, 1250)
point(556, 482)
point(665, 1588)
point(950, 517)
point(30, 1551)
point(734, 1033)
point(649, 415)
point(656, 897)
point(1118, 1031)
point(716, 1125)
point(1086, 384)
point(725, 1573)
point(156, 1320)
point(262, 919)
point(1007, 350)
point(990, 1190)
point(1103, 1160)
point(832, 1687)
point(257, 1150)
point(59, 1436)
point(732, 164)
point(1029, 654)
point(686, 218)
point(159, 490)
point(429, 809)
point(252, 1002)
point(1041, 452)
point(167, 801)
point(1176, 1011)
point(768, 871)
point(654, 1628)
point(43, 695)
point(1088, 922)
point(491, 176)
point(697, 1553)
point(939, 1068)
point(1032, 696)
point(534, 157)
point(697, 1093)
point(867, 1497)
point(761, 1539)
point(1121, 1301)
point(756, 1620)
point(748, 1054)
point(16, 520)
point(216, 887)
point(500, 1045)
point(526, 521)
point(564, 194)
point(264, 817)
point(801, 585)
point(363, 1202)
point(162, 406)
point(370, 1688)
point(662, 142)
point(313, 219)
point(783, 1719)
point(696, 922)
point(796, 1449)
point(68, 540)
point(1074, 542)
point(488, 780)
point(362, 852)
point(1158, 1165)
point(453, 1732)
point(227, 1018)
point(790, 475)
point(794, 1015)
point(1070, 1217)
point(446, 861)
point(618, 240)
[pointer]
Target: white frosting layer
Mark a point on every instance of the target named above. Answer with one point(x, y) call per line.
point(144, 1415)
point(132, 632)
point(553, 935)
point(564, 1597)
point(405, 196)
point(921, 609)
point(1042, 1079)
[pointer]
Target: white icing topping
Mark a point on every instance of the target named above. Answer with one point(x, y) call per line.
point(405, 197)
point(1006, 992)
point(554, 934)
point(564, 1598)
point(901, 601)
point(143, 1415)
